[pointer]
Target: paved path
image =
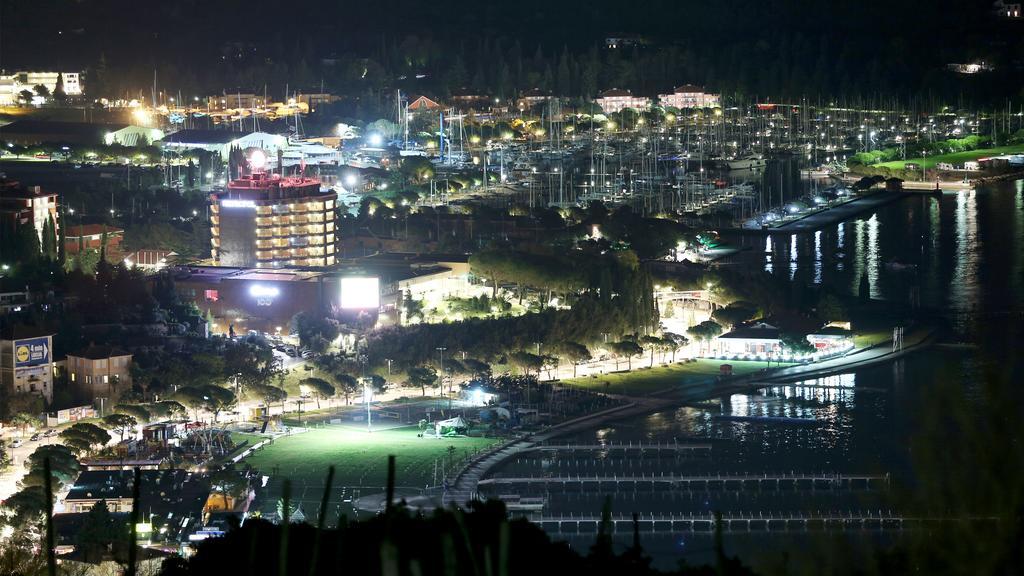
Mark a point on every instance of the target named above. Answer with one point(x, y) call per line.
point(464, 487)
point(837, 214)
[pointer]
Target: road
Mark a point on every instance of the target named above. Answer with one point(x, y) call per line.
point(10, 477)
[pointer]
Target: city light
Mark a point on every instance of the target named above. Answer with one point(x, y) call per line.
point(261, 291)
point(360, 293)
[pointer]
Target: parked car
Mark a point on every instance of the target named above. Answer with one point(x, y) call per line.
point(16, 444)
point(35, 437)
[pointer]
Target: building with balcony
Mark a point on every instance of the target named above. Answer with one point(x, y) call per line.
point(25, 205)
point(689, 96)
point(616, 100)
point(268, 221)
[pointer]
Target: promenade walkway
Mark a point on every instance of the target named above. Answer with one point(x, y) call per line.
point(464, 487)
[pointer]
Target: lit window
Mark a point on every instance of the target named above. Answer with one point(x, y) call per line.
point(212, 296)
point(106, 379)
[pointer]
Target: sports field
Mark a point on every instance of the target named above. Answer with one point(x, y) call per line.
point(360, 460)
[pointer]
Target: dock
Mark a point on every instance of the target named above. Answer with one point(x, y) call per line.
point(620, 447)
point(834, 215)
point(885, 520)
point(704, 481)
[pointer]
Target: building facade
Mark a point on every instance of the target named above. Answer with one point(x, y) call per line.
point(26, 362)
point(266, 221)
point(11, 85)
point(616, 100)
point(99, 371)
point(25, 205)
point(689, 96)
point(90, 237)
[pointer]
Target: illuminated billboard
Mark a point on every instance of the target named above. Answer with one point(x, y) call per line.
point(31, 352)
point(360, 293)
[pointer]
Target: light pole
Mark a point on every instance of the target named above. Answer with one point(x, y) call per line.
point(367, 397)
point(441, 349)
point(388, 360)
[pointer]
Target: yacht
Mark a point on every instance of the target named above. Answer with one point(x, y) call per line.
point(748, 162)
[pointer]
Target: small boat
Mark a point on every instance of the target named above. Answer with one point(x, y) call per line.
point(898, 266)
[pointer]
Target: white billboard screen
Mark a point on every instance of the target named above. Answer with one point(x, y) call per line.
point(360, 293)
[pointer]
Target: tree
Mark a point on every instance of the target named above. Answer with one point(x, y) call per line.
point(652, 343)
point(59, 95)
point(64, 463)
point(347, 384)
point(422, 376)
point(705, 331)
point(627, 348)
point(576, 353)
point(41, 90)
point(99, 532)
point(735, 313)
point(25, 508)
point(477, 368)
point(25, 97)
point(831, 309)
point(23, 420)
point(229, 483)
point(796, 344)
point(210, 397)
point(83, 436)
point(136, 411)
point(120, 423)
point(675, 341)
point(315, 332)
point(526, 362)
point(269, 395)
point(319, 388)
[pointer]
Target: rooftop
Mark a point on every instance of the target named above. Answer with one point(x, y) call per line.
point(754, 331)
point(202, 136)
point(94, 352)
point(615, 93)
point(91, 230)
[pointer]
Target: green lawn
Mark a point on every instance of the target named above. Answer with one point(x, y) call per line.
point(647, 381)
point(953, 158)
point(360, 458)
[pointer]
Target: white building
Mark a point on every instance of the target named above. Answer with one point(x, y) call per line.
point(689, 96)
point(222, 141)
point(11, 85)
point(615, 100)
point(133, 136)
point(756, 340)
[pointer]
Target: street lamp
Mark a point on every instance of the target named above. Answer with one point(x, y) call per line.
point(367, 397)
point(441, 349)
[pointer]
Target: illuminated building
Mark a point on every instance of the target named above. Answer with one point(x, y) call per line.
point(689, 96)
point(615, 100)
point(268, 221)
point(25, 205)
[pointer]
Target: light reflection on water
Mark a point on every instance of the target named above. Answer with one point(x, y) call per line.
point(958, 249)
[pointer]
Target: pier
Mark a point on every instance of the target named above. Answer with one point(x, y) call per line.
point(720, 481)
point(620, 447)
point(730, 522)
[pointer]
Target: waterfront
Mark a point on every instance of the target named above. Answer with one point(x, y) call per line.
point(960, 253)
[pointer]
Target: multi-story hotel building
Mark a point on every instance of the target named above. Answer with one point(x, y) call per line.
point(689, 96)
point(269, 221)
point(615, 100)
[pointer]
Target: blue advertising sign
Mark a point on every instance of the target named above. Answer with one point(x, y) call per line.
point(31, 352)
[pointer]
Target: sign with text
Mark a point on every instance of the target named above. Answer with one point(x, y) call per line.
point(31, 352)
